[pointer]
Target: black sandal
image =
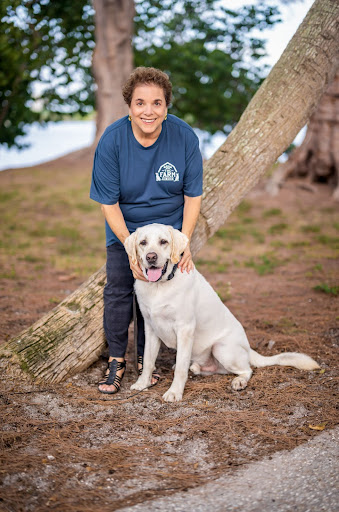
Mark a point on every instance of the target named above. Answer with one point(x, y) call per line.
point(111, 378)
point(155, 374)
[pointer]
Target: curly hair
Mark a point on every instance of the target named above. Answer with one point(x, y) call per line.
point(143, 75)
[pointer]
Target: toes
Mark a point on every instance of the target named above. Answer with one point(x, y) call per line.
point(239, 383)
point(106, 387)
point(195, 368)
point(172, 396)
point(155, 378)
point(138, 386)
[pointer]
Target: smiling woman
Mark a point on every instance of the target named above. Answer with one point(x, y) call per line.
point(147, 169)
point(148, 95)
point(147, 111)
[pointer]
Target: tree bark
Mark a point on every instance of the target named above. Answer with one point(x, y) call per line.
point(112, 59)
point(70, 337)
point(317, 158)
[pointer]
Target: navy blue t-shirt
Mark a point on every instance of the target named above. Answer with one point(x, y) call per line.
point(148, 182)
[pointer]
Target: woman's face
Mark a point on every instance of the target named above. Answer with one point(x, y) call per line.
point(148, 109)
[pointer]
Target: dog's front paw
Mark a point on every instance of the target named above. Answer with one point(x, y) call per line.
point(139, 385)
point(172, 396)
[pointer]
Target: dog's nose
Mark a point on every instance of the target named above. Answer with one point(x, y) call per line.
point(151, 257)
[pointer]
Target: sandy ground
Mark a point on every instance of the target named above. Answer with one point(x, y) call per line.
point(66, 447)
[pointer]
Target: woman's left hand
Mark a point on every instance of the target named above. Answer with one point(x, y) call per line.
point(186, 262)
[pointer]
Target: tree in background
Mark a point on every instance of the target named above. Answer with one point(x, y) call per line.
point(45, 42)
point(317, 158)
point(208, 53)
point(112, 59)
point(206, 49)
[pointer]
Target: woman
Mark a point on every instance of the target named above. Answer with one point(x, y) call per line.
point(147, 168)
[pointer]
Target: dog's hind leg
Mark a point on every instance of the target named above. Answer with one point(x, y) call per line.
point(236, 361)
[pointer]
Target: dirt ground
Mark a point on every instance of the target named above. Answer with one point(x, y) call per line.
point(67, 447)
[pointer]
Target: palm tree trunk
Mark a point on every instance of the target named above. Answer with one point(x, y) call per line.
point(70, 337)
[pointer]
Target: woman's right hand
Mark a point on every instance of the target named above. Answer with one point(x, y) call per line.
point(136, 270)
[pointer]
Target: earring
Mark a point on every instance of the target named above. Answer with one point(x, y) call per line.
point(165, 117)
point(129, 117)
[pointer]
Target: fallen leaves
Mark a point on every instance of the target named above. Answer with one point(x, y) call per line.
point(321, 426)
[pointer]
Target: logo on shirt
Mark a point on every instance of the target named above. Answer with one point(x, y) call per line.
point(167, 172)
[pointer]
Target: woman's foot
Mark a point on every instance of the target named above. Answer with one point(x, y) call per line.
point(111, 382)
point(155, 374)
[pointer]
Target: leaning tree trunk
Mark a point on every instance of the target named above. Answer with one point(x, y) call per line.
point(70, 337)
point(317, 158)
point(112, 59)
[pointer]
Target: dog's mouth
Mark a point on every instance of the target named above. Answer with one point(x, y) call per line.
point(154, 274)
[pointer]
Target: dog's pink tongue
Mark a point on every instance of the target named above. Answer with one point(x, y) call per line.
point(154, 274)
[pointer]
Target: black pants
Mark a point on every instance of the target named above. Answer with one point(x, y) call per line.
point(118, 303)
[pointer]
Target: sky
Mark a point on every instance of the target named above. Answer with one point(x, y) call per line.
point(58, 139)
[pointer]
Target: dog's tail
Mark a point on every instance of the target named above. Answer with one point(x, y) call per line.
point(301, 361)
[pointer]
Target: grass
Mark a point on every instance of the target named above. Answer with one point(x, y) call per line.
point(212, 265)
point(265, 264)
point(298, 243)
point(232, 232)
point(8, 195)
point(30, 258)
point(224, 290)
point(278, 229)
point(326, 288)
point(310, 228)
point(330, 241)
point(237, 231)
point(10, 274)
point(54, 300)
point(48, 220)
point(277, 243)
point(272, 212)
point(244, 207)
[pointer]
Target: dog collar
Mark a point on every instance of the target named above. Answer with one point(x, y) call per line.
point(171, 275)
point(174, 269)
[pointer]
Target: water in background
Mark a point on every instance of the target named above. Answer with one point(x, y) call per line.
point(57, 139)
point(48, 142)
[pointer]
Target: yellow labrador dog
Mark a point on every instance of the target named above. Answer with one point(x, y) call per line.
point(183, 311)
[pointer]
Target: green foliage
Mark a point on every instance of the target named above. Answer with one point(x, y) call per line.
point(310, 228)
point(205, 48)
point(272, 212)
point(208, 53)
point(326, 288)
point(49, 42)
point(331, 241)
point(278, 229)
point(265, 264)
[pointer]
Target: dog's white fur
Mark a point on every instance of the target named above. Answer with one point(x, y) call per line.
point(186, 314)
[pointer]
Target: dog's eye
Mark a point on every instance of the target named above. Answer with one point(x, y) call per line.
point(143, 242)
point(163, 242)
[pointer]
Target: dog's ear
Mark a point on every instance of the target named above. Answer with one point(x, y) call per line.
point(179, 243)
point(130, 247)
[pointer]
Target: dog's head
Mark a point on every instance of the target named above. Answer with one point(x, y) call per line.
point(157, 248)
